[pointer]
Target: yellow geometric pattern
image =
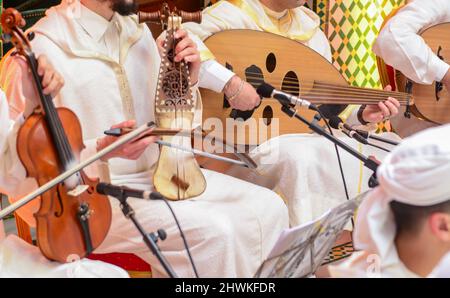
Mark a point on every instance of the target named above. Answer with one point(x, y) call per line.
point(353, 28)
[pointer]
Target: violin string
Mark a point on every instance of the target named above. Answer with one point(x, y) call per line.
point(62, 139)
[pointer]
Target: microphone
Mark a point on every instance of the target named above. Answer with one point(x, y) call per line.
point(369, 135)
point(125, 192)
point(268, 91)
point(337, 123)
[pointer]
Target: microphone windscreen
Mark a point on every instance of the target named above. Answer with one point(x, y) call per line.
point(334, 122)
point(265, 90)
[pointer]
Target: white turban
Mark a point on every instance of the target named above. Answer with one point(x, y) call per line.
point(417, 172)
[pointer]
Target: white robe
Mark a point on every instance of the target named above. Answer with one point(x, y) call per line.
point(302, 168)
point(230, 230)
point(401, 47)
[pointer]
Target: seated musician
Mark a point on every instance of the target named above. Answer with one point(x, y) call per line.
point(18, 258)
point(110, 64)
point(403, 226)
point(400, 45)
point(306, 169)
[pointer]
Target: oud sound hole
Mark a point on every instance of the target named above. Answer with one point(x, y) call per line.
point(254, 76)
point(271, 62)
point(291, 84)
point(267, 115)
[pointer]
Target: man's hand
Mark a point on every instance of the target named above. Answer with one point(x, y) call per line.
point(52, 82)
point(381, 111)
point(186, 50)
point(132, 150)
point(245, 99)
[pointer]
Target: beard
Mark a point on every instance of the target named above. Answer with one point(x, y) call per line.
point(124, 7)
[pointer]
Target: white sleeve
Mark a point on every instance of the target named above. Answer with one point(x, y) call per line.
point(320, 43)
point(400, 45)
point(214, 76)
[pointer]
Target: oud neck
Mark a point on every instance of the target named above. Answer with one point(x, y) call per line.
point(326, 93)
point(54, 124)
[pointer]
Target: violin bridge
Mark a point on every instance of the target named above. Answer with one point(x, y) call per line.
point(78, 190)
point(179, 183)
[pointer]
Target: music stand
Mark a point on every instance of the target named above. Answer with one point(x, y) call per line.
point(300, 251)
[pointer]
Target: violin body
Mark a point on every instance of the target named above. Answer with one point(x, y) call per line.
point(59, 232)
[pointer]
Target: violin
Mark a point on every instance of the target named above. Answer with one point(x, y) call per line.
point(72, 219)
point(177, 175)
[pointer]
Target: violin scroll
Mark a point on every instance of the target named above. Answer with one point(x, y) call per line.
point(12, 21)
point(162, 16)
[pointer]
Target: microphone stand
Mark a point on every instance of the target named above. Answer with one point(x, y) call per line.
point(368, 135)
point(151, 240)
point(368, 163)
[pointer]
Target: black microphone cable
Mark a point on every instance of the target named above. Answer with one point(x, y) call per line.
point(341, 169)
point(158, 196)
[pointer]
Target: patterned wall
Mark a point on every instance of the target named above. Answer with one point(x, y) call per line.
point(352, 29)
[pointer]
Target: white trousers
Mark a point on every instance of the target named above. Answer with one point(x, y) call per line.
point(230, 229)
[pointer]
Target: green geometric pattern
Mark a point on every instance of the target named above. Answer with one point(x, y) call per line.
point(353, 28)
point(321, 8)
